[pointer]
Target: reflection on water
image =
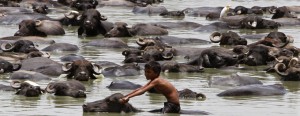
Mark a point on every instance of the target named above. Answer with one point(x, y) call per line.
point(48, 104)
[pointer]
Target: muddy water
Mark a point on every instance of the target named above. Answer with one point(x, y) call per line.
point(47, 104)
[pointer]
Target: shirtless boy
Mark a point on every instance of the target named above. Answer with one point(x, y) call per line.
point(152, 72)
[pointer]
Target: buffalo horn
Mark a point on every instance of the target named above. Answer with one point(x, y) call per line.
point(4, 47)
point(140, 41)
point(168, 56)
point(97, 69)
point(293, 62)
point(32, 83)
point(38, 23)
point(103, 18)
point(15, 84)
point(215, 37)
point(50, 88)
point(280, 66)
point(66, 67)
point(72, 14)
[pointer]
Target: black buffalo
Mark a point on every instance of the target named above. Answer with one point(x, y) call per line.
point(22, 46)
point(227, 38)
point(27, 88)
point(39, 28)
point(120, 29)
point(109, 104)
point(255, 90)
point(71, 88)
point(6, 66)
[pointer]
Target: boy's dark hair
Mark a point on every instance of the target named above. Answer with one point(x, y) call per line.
point(155, 66)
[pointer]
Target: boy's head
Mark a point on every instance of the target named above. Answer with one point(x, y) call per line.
point(153, 65)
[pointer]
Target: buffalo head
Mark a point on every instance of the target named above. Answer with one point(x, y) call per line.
point(228, 38)
point(290, 71)
point(187, 93)
point(22, 46)
point(120, 29)
point(39, 28)
point(109, 104)
point(255, 22)
point(6, 66)
point(83, 5)
point(91, 23)
point(281, 12)
point(27, 88)
point(82, 70)
point(71, 88)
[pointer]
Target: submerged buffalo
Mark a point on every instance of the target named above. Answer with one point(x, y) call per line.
point(27, 88)
point(71, 88)
point(255, 90)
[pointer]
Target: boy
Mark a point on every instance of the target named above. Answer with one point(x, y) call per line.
point(152, 72)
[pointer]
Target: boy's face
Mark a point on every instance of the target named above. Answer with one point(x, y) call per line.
point(150, 74)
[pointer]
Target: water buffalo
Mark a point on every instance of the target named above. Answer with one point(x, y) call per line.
point(71, 88)
point(108, 43)
point(40, 9)
point(83, 5)
point(255, 90)
point(215, 57)
point(10, 3)
point(177, 25)
point(233, 80)
point(42, 65)
point(70, 18)
point(149, 9)
point(290, 71)
point(176, 14)
point(166, 41)
point(275, 39)
point(21, 46)
point(227, 38)
point(133, 55)
point(188, 94)
point(120, 29)
point(81, 70)
point(14, 17)
point(92, 23)
point(39, 28)
point(173, 66)
point(71, 58)
point(123, 85)
point(112, 104)
point(27, 88)
point(130, 69)
point(109, 104)
point(255, 22)
point(61, 47)
point(282, 12)
point(6, 66)
point(28, 75)
point(256, 55)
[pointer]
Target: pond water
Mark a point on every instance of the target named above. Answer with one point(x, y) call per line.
point(48, 104)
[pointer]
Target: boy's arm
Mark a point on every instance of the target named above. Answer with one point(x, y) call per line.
point(139, 91)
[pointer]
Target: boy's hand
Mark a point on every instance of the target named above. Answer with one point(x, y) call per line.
point(124, 100)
